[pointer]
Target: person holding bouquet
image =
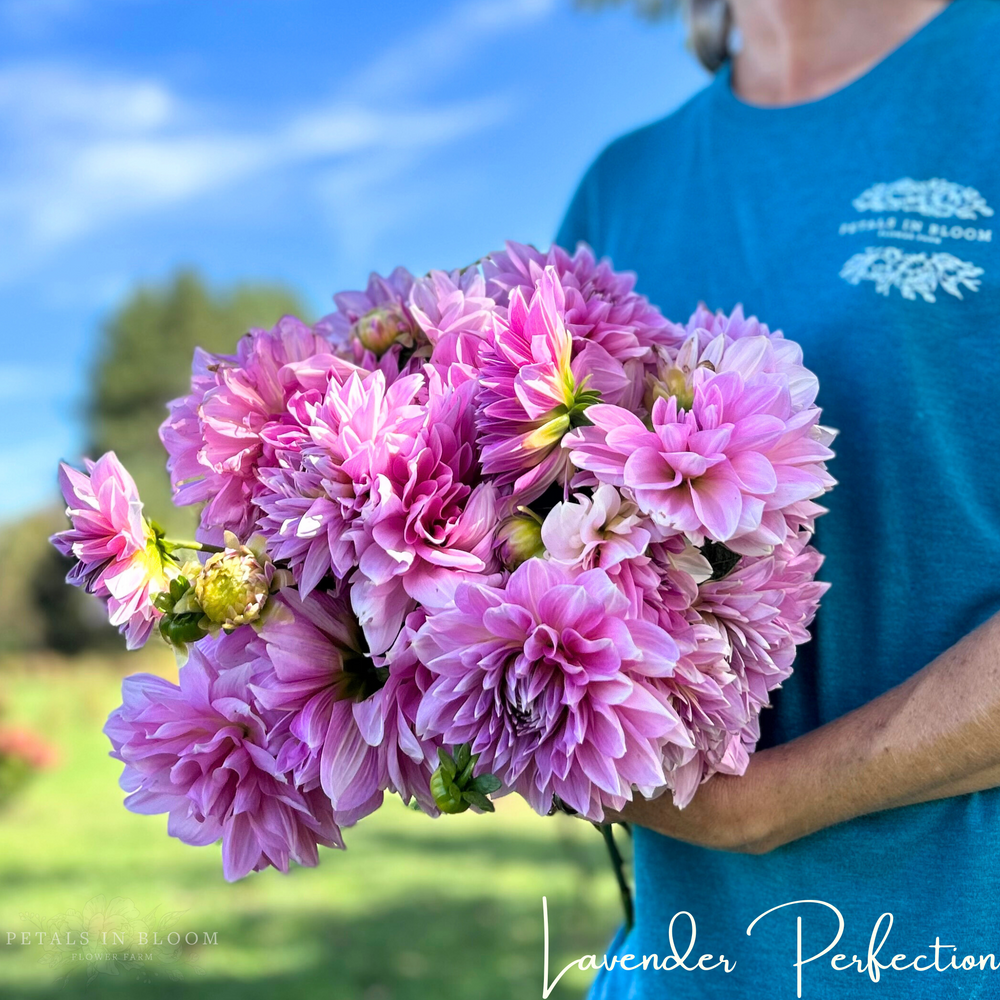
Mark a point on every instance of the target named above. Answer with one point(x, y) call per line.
point(839, 176)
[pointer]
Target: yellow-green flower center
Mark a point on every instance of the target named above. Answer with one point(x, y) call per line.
point(232, 588)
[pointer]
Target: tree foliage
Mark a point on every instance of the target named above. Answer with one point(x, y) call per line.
point(143, 360)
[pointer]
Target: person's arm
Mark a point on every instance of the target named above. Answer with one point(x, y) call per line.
point(934, 736)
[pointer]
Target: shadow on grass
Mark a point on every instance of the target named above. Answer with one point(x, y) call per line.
point(420, 843)
point(426, 949)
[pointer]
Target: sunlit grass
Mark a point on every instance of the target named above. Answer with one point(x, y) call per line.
point(416, 908)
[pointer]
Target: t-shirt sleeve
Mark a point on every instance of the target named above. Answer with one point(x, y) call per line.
point(581, 221)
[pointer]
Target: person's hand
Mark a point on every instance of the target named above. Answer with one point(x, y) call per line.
point(934, 736)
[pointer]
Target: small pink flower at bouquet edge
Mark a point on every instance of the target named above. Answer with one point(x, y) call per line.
point(117, 558)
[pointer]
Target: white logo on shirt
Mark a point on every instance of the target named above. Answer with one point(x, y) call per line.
point(937, 198)
point(896, 208)
point(912, 273)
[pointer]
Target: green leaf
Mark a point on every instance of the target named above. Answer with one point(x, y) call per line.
point(486, 783)
point(447, 763)
point(463, 754)
point(163, 602)
point(479, 800)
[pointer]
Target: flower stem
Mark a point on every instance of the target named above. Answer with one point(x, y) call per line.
point(607, 832)
point(194, 546)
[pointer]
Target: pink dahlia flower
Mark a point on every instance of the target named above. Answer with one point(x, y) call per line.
point(601, 304)
point(214, 435)
point(764, 608)
point(534, 390)
point(350, 716)
point(313, 496)
point(553, 685)
point(714, 324)
point(733, 343)
point(376, 328)
point(599, 530)
point(200, 751)
point(431, 523)
point(703, 689)
point(456, 314)
point(737, 637)
point(726, 453)
point(116, 554)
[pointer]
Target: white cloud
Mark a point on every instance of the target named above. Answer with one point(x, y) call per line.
point(45, 96)
point(430, 55)
point(94, 149)
point(110, 177)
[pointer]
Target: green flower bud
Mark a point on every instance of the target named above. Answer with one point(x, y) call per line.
point(181, 629)
point(447, 796)
point(519, 538)
point(455, 788)
point(382, 327)
point(232, 587)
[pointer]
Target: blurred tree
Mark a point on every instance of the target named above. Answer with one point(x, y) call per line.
point(37, 609)
point(144, 360)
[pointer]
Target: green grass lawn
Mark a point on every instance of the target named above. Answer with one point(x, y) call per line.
point(414, 908)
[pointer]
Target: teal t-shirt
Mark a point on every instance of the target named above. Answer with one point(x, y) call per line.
point(863, 225)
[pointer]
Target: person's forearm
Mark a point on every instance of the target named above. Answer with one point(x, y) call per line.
point(934, 736)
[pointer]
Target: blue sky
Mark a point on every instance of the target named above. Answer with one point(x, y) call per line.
point(305, 141)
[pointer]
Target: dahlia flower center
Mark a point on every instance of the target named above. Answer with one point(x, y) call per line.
point(358, 678)
point(675, 382)
point(150, 558)
point(521, 710)
point(671, 383)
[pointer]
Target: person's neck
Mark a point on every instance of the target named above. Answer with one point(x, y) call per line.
point(795, 51)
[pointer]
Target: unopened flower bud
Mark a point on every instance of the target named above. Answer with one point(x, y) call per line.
point(669, 382)
point(519, 538)
point(382, 327)
point(233, 587)
point(455, 786)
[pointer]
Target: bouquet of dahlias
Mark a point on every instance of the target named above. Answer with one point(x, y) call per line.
point(500, 529)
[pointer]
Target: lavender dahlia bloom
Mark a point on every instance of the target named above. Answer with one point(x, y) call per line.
point(117, 556)
point(763, 609)
point(374, 327)
point(432, 522)
point(200, 751)
point(534, 390)
point(214, 435)
point(601, 304)
point(311, 500)
point(737, 637)
point(456, 314)
point(350, 716)
point(726, 453)
point(557, 689)
point(599, 530)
